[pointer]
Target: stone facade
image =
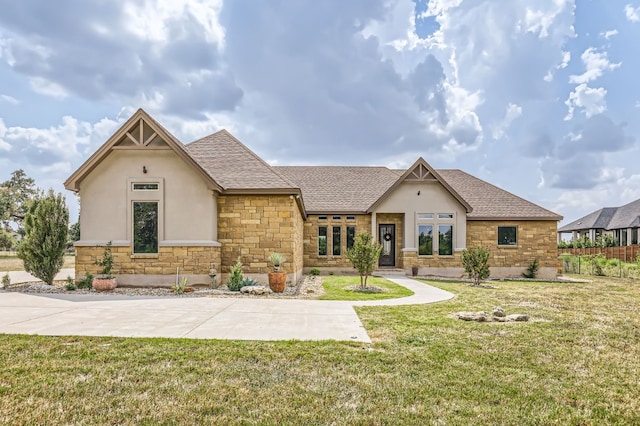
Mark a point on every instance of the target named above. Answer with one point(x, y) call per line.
point(193, 262)
point(331, 262)
point(254, 226)
point(536, 240)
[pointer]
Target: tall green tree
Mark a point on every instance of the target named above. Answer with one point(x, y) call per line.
point(364, 256)
point(15, 195)
point(46, 225)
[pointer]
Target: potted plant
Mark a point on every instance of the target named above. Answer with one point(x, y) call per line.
point(277, 279)
point(104, 281)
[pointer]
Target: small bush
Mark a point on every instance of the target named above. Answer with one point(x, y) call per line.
point(475, 261)
point(179, 288)
point(314, 272)
point(247, 282)
point(86, 281)
point(613, 262)
point(6, 281)
point(532, 269)
point(235, 277)
point(70, 287)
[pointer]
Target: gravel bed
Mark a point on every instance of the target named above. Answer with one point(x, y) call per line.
point(310, 287)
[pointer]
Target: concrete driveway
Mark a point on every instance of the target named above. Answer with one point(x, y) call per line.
point(200, 318)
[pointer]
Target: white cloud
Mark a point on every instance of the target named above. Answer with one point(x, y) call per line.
point(9, 99)
point(48, 88)
point(589, 99)
point(632, 14)
point(608, 34)
point(4, 146)
point(596, 63)
point(512, 112)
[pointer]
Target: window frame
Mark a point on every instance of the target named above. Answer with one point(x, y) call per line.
point(435, 221)
point(430, 225)
point(135, 239)
point(502, 227)
point(145, 195)
point(351, 237)
point(336, 250)
point(326, 240)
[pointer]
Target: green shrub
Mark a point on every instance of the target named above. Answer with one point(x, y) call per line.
point(235, 277)
point(6, 280)
point(246, 281)
point(532, 269)
point(70, 287)
point(314, 272)
point(180, 286)
point(612, 262)
point(86, 281)
point(475, 261)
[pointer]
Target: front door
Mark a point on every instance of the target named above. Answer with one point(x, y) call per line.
point(387, 238)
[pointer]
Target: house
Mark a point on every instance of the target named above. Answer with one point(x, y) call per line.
point(620, 223)
point(195, 209)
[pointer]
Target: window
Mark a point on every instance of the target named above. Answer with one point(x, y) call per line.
point(322, 241)
point(336, 218)
point(337, 234)
point(507, 235)
point(145, 227)
point(322, 218)
point(445, 216)
point(425, 240)
point(351, 218)
point(145, 186)
point(445, 240)
point(351, 236)
point(425, 216)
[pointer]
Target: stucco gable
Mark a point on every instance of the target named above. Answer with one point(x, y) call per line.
point(139, 132)
point(421, 171)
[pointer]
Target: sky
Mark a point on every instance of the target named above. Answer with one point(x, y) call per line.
point(538, 97)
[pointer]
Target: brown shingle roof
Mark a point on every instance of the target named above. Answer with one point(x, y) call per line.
point(334, 189)
point(354, 189)
point(490, 202)
point(234, 166)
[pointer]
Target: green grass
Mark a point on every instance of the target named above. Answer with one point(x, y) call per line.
point(577, 362)
point(336, 288)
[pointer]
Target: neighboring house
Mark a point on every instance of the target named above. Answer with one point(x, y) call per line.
point(621, 223)
point(194, 209)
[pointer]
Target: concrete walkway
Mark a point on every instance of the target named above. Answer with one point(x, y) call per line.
point(200, 318)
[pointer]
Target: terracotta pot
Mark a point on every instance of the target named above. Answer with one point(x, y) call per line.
point(277, 281)
point(414, 271)
point(104, 284)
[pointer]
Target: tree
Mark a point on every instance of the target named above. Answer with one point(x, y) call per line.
point(46, 226)
point(476, 263)
point(364, 256)
point(7, 241)
point(15, 195)
point(74, 234)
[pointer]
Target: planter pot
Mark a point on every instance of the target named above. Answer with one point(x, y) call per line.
point(414, 271)
point(104, 284)
point(277, 281)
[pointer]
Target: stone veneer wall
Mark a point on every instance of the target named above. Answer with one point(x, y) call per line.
point(398, 220)
point(254, 226)
point(536, 240)
point(194, 262)
point(335, 264)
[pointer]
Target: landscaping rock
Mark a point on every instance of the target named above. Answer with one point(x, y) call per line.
point(481, 316)
point(255, 289)
point(517, 317)
point(499, 312)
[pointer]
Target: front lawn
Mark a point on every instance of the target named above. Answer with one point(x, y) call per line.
point(576, 362)
point(347, 288)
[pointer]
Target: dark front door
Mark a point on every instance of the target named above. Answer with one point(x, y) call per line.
point(387, 237)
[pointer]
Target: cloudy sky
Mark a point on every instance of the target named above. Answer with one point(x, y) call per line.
point(539, 97)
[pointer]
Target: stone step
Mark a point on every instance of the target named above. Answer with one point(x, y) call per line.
point(390, 271)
